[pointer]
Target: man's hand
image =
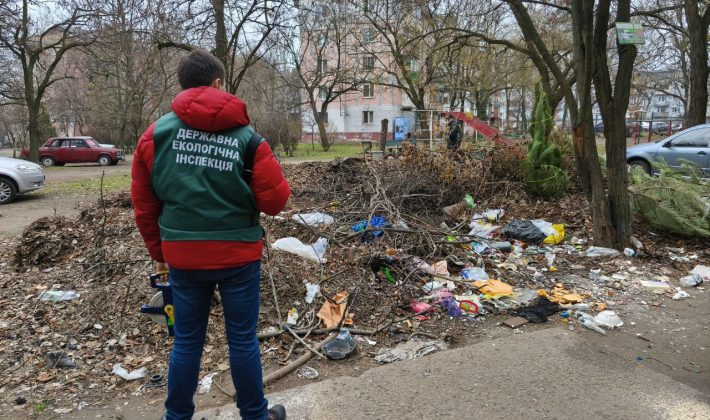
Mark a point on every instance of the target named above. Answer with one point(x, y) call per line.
point(162, 268)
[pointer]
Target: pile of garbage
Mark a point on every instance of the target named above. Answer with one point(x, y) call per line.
point(400, 257)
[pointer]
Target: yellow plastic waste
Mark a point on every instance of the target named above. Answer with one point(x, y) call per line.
point(556, 238)
point(493, 288)
point(561, 295)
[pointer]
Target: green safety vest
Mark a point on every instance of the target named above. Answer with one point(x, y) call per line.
point(198, 177)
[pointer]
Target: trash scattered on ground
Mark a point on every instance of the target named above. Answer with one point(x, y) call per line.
point(693, 280)
point(655, 284)
point(680, 294)
point(409, 350)
point(332, 312)
point(341, 347)
point(598, 251)
point(59, 359)
point(608, 319)
point(588, 321)
point(524, 230)
point(312, 291)
point(313, 252)
point(560, 294)
point(205, 383)
point(515, 322)
point(292, 318)
point(313, 219)
point(538, 310)
point(58, 295)
point(629, 252)
point(375, 222)
point(307, 372)
point(474, 274)
point(129, 376)
point(493, 288)
point(702, 271)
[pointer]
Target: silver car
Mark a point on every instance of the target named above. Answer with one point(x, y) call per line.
point(18, 177)
point(692, 144)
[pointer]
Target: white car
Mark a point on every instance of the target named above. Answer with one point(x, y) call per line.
point(18, 177)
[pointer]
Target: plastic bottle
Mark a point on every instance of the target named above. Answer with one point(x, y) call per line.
point(588, 321)
point(693, 280)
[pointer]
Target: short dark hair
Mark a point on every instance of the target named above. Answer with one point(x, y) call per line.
point(199, 68)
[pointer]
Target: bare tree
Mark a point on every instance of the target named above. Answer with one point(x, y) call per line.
point(39, 48)
point(239, 32)
point(317, 49)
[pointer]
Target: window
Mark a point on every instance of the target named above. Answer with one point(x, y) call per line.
point(368, 117)
point(322, 65)
point(368, 6)
point(695, 138)
point(410, 63)
point(674, 109)
point(56, 143)
point(321, 10)
point(324, 117)
point(368, 63)
point(322, 93)
point(368, 35)
point(79, 143)
point(368, 91)
point(661, 98)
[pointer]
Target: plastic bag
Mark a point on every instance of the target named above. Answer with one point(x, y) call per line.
point(556, 237)
point(313, 252)
point(608, 319)
point(129, 376)
point(58, 295)
point(342, 347)
point(490, 215)
point(482, 229)
point(313, 219)
point(312, 291)
point(524, 230)
point(599, 251)
point(474, 274)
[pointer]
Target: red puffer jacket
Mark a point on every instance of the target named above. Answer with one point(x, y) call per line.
point(212, 110)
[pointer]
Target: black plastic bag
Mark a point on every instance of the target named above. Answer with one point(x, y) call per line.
point(524, 230)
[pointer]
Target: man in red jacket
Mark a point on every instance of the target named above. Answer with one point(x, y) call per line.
point(200, 219)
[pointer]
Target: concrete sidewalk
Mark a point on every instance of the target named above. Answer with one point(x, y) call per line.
point(549, 373)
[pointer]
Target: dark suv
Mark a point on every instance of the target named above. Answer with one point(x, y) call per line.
point(61, 150)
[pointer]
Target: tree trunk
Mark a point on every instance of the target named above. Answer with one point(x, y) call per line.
point(323, 133)
point(699, 71)
point(383, 134)
point(33, 130)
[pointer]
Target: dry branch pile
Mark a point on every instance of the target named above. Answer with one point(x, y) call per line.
point(100, 255)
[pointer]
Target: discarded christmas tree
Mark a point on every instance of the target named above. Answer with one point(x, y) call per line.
point(543, 174)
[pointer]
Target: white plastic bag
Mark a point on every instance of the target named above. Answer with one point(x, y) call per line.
point(129, 376)
point(545, 227)
point(474, 274)
point(608, 319)
point(313, 252)
point(312, 290)
point(313, 219)
point(598, 251)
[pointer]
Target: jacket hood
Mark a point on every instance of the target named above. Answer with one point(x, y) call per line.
point(208, 109)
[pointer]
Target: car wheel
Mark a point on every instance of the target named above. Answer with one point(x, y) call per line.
point(641, 164)
point(47, 161)
point(104, 160)
point(8, 191)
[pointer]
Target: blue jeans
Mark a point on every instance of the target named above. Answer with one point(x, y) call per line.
point(193, 291)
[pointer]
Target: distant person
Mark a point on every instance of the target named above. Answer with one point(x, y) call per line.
point(199, 218)
point(455, 133)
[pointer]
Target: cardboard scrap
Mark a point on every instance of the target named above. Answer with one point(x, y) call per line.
point(493, 288)
point(515, 322)
point(331, 313)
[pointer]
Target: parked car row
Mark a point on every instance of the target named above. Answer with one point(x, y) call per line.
point(60, 150)
point(692, 145)
point(657, 127)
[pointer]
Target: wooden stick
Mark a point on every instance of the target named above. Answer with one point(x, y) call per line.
point(302, 341)
point(274, 376)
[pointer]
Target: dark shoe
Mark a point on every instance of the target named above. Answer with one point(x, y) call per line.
point(277, 412)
